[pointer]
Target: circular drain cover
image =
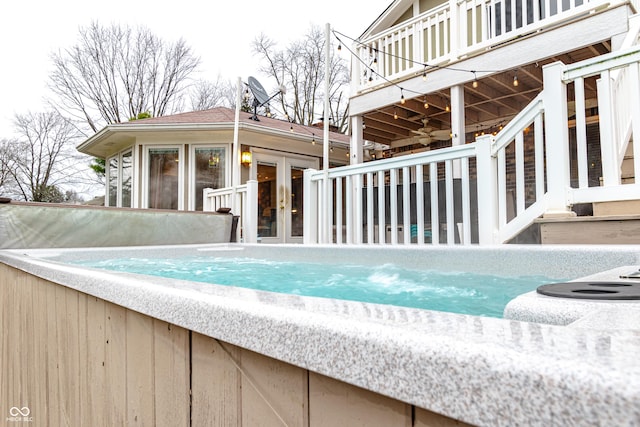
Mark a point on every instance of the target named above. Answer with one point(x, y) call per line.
point(592, 290)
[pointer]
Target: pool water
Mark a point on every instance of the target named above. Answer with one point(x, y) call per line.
point(458, 292)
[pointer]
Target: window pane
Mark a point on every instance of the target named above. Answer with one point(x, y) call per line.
point(163, 178)
point(113, 181)
point(210, 171)
point(126, 179)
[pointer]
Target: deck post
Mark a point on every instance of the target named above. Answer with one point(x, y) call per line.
point(250, 213)
point(554, 97)
point(487, 164)
point(310, 206)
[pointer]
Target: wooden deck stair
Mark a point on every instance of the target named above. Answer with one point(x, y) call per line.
point(611, 222)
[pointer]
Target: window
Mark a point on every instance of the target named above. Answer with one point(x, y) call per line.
point(119, 175)
point(127, 176)
point(163, 183)
point(113, 174)
point(210, 171)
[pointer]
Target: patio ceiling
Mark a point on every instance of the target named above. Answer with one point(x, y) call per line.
point(492, 103)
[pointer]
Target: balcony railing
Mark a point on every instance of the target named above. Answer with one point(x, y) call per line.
point(456, 29)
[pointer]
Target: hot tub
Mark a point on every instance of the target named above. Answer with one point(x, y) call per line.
point(323, 360)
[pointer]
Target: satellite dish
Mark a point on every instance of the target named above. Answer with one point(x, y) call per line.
point(260, 96)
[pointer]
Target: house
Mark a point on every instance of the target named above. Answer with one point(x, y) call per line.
point(167, 162)
point(500, 116)
point(475, 121)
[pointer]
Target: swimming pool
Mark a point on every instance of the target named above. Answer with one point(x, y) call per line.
point(476, 369)
point(453, 291)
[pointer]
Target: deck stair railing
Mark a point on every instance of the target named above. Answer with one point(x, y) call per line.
point(243, 201)
point(456, 29)
point(618, 97)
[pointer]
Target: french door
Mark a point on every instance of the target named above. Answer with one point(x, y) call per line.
point(280, 186)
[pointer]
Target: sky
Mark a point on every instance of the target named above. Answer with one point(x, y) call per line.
point(220, 34)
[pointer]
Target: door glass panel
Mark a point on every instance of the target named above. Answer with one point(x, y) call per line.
point(210, 163)
point(113, 181)
point(126, 179)
point(296, 201)
point(163, 178)
point(267, 200)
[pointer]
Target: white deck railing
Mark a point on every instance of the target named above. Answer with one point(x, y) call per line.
point(422, 198)
point(243, 201)
point(456, 29)
point(432, 197)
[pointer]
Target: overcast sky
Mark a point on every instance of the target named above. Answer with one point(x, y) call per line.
point(220, 33)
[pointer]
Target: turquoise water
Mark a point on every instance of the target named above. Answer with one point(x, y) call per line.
point(458, 292)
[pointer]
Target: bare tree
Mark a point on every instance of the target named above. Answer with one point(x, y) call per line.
point(7, 186)
point(115, 73)
point(300, 68)
point(205, 94)
point(42, 159)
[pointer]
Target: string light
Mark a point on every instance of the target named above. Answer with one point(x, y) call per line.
point(426, 104)
point(515, 79)
point(402, 100)
point(424, 74)
point(395, 113)
point(313, 139)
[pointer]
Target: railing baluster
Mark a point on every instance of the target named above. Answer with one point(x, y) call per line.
point(419, 204)
point(581, 133)
point(435, 206)
point(370, 207)
point(520, 172)
point(406, 205)
point(502, 188)
point(634, 78)
point(393, 188)
point(381, 208)
point(538, 127)
point(450, 202)
point(338, 204)
point(466, 203)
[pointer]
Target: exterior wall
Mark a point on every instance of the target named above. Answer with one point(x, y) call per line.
point(72, 359)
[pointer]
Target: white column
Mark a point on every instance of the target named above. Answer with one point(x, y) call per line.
point(457, 123)
point(356, 154)
point(325, 230)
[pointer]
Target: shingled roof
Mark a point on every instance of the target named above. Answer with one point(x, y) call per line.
point(227, 115)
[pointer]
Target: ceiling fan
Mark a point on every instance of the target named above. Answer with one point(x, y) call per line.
point(427, 134)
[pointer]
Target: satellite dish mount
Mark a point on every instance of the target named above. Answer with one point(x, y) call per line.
point(260, 97)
